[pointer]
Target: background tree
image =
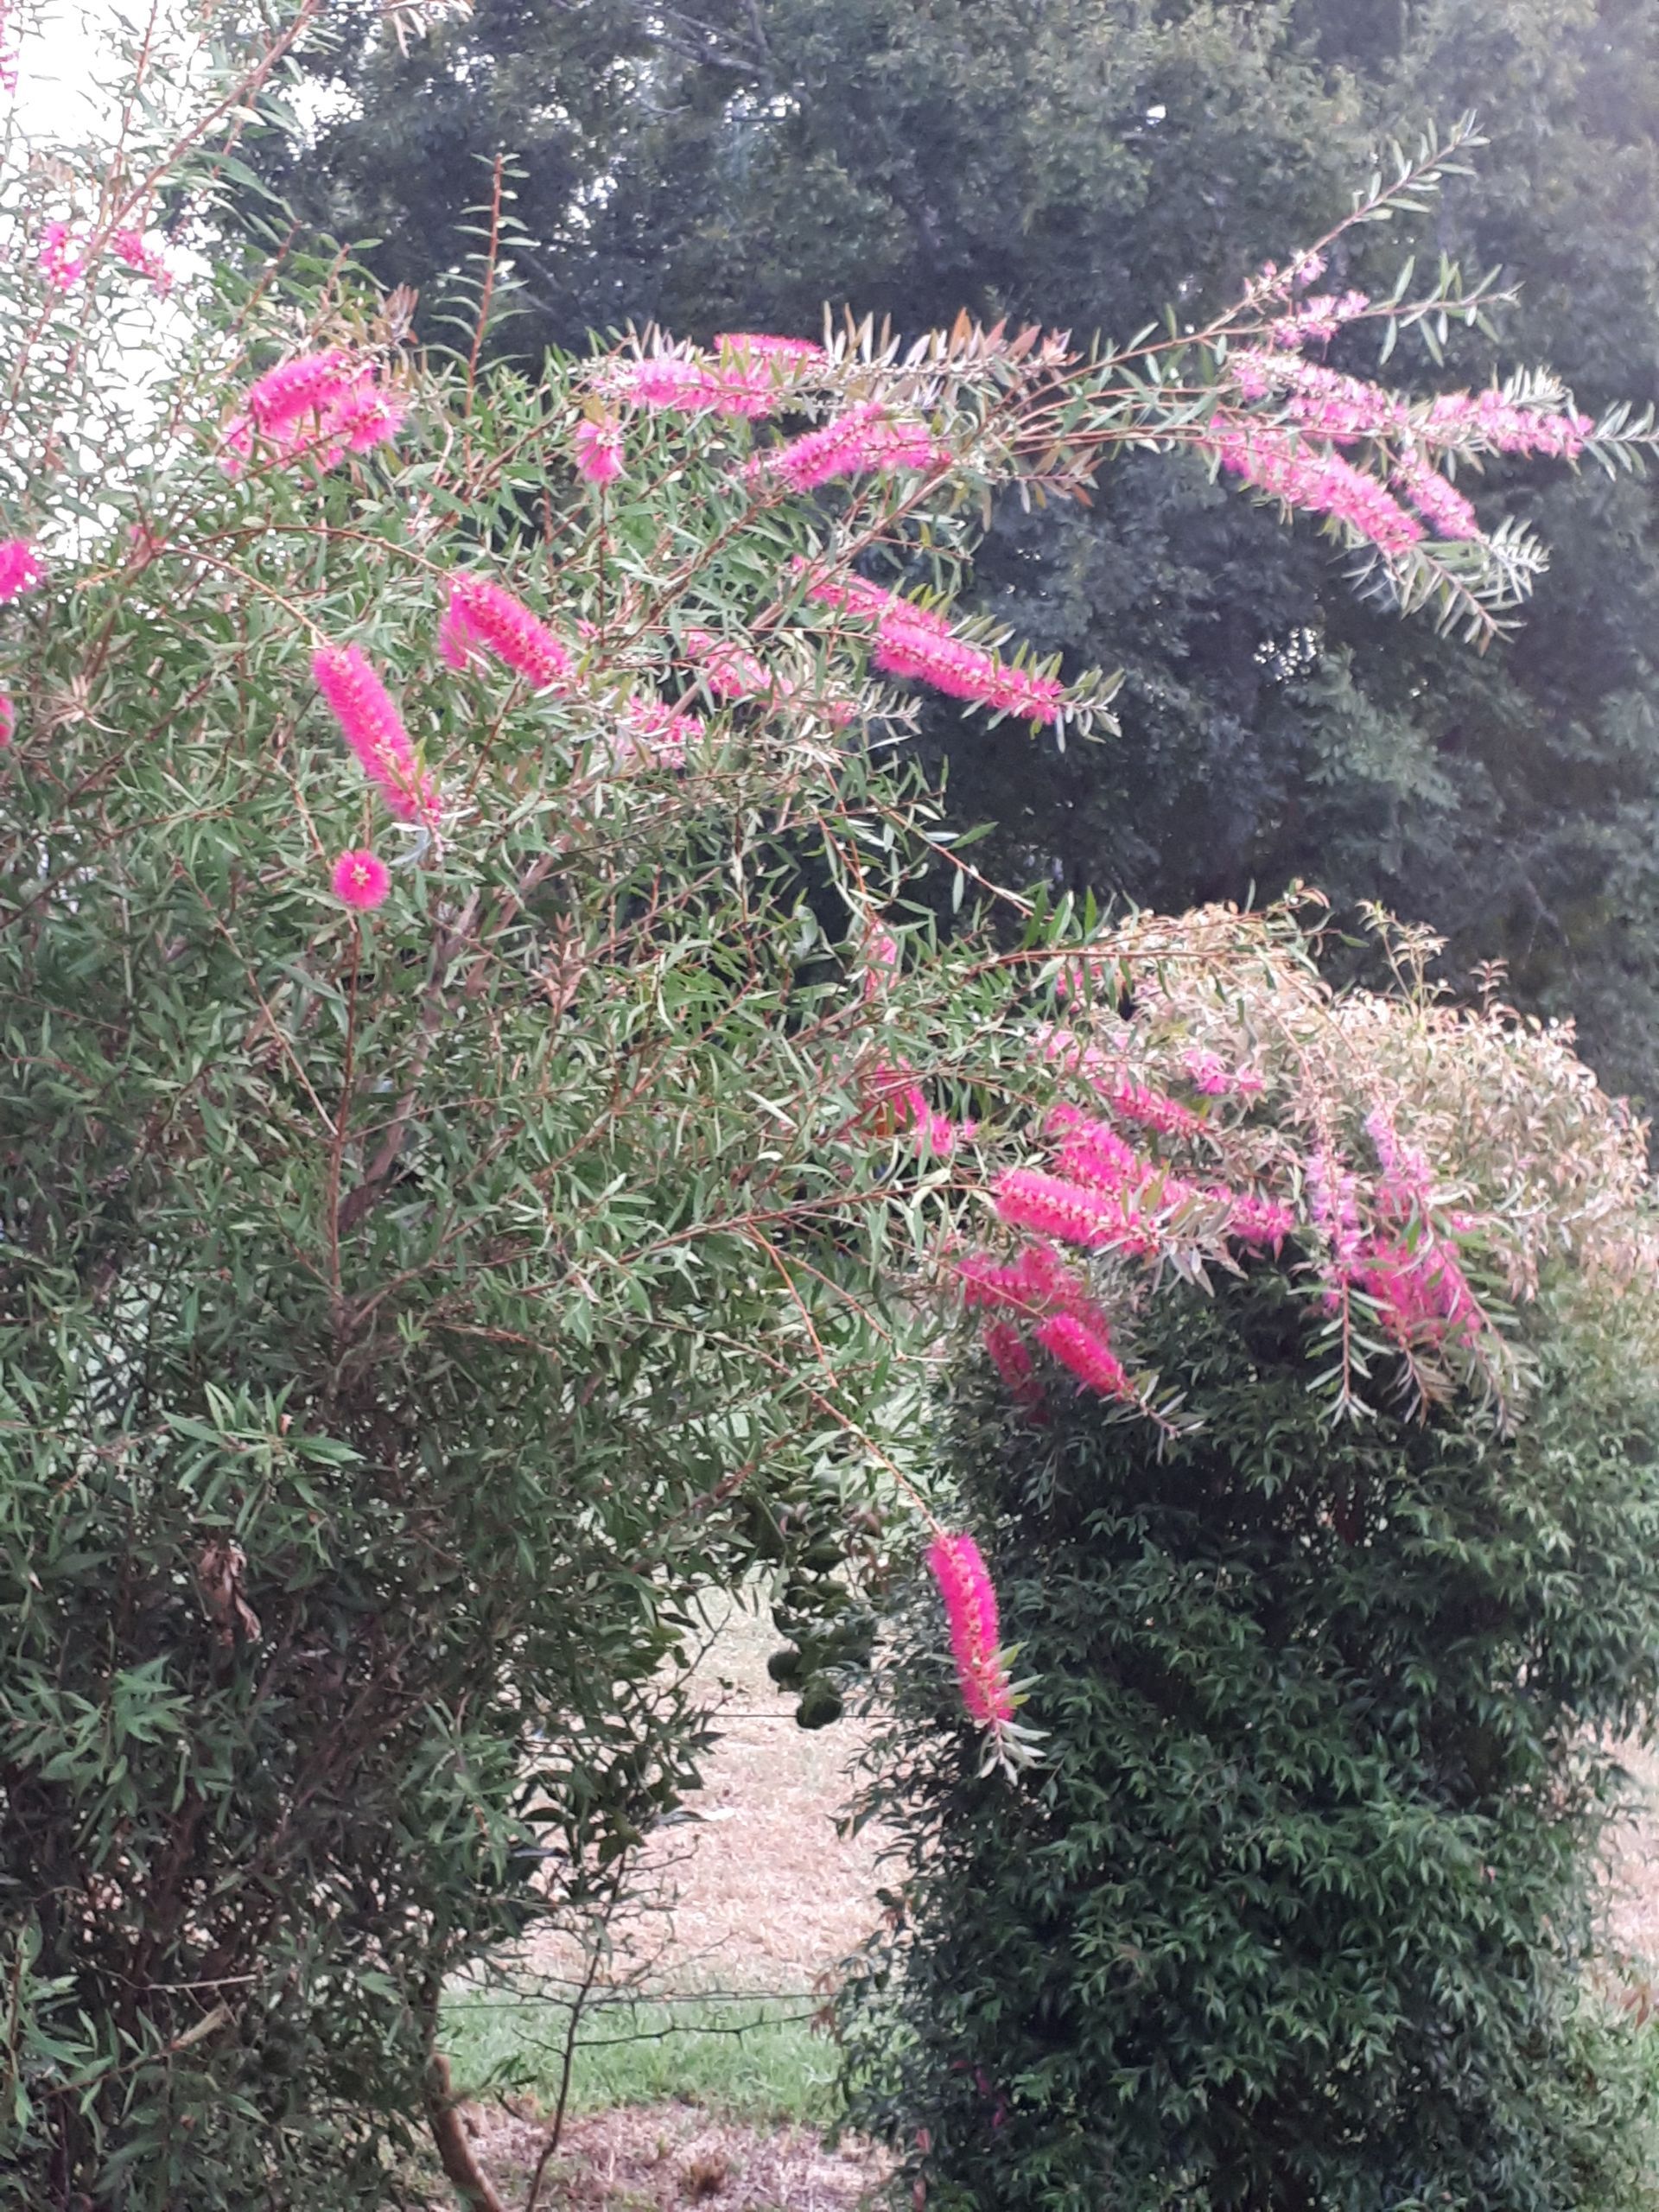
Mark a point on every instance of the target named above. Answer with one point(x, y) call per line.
point(719, 164)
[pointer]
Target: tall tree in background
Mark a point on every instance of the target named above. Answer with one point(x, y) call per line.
point(733, 163)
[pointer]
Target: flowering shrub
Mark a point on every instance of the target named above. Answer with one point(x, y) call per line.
point(1318, 1489)
point(472, 1122)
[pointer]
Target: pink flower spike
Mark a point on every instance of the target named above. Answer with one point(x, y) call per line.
point(8, 718)
point(374, 730)
point(361, 878)
point(146, 256)
point(970, 1610)
point(506, 625)
point(1087, 1353)
point(21, 568)
point(1007, 1352)
point(863, 439)
point(762, 347)
point(598, 449)
point(305, 385)
point(60, 258)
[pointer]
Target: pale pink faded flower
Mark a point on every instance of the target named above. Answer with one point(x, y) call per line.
point(483, 612)
point(374, 730)
point(361, 878)
point(653, 726)
point(147, 257)
point(1487, 419)
point(895, 1090)
point(21, 568)
point(61, 257)
point(958, 1568)
point(598, 449)
point(760, 345)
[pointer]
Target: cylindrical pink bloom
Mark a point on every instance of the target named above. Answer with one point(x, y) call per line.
point(598, 449)
point(506, 625)
point(658, 729)
point(361, 878)
point(1441, 506)
point(1318, 481)
point(8, 718)
point(374, 730)
point(21, 568)
point(1086, 1351)
point(863, 439)
point(304, 385)
point(970, 1610)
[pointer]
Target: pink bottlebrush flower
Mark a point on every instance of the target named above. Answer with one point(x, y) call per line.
point(1027, 1199)
point(8, 718)
point(1137, 1102)
point(762, 347)
point(1487, 420)
point(1322, 400)
point(21, 568)
point(1007, 1352)
point(964, 671)
point(308, 384)
point(859, 597)
point(486, 614)
point(896, 1089)
point(61, 257)
point(1087, 1353)
point(970, 1610)
point(1317, 482)
point(1422, 1290)
point(1256, 1220)
point(7, 52)
point(318, 406)
point(147, 257)
point(458, 640)
point(1441, 506)
point(361, 878)
point(598, 449)
point(1036, 1281)
point(682, 384)
point(374, 730)
point(865, 438)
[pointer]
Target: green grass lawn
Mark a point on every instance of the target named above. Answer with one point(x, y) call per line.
point(749, 2058)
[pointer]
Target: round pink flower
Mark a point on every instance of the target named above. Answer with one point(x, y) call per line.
point(361, 878)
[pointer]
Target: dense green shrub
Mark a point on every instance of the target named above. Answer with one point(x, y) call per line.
point(1294, 1912)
